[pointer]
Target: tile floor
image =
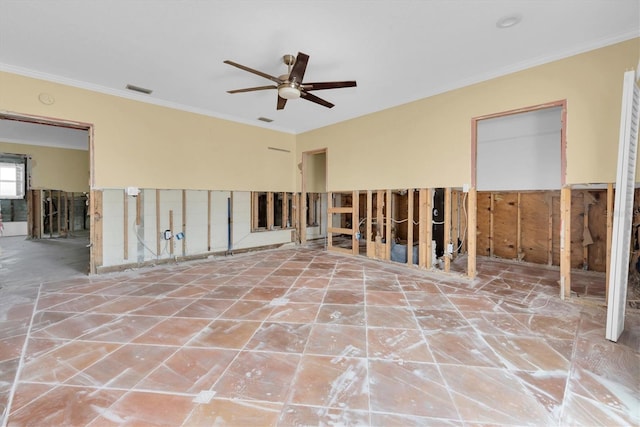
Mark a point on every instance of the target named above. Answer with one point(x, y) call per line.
point(305, 337)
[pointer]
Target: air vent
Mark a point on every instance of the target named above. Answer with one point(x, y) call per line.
point(139, 89)
point(265, 119)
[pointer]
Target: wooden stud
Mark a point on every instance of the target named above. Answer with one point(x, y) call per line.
point(171, 231)
point(158, 225)
point(585, 227)
point(519, 252)
point(58, 216)
point(565, 242)
point(72, 211)
point(472, 214)
point(66, 213)
point(296, 216)
point(37, 203)
point(371, 249)
point(95, 227)
point(447, 228)
point(491, 209)
point(184, 222)
point(455, 221)
point(379, 253)
point(30, 214)
point(285, 210)
point(389, 215)
point(549, 201)
point(422, 228)
point(329, 220)
point(302, 206)
point(209, 221)
point(355, 222)
point(609, 220)
point(410, 226)
point(139, 207)
point(270, 218)
point(230, 238)
point(125, 224)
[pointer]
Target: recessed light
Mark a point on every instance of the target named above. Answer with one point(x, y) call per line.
point(509, 21)
point(139, 89)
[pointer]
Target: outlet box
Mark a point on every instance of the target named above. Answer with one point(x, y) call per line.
point(166, 234)
point(465, 188)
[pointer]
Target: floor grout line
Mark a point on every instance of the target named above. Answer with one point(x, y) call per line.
point(14, 386)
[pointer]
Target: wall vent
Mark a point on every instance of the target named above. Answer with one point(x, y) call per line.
point(139, 89)
point(265, 119)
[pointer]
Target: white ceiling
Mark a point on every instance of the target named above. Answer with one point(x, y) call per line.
point(397, 50)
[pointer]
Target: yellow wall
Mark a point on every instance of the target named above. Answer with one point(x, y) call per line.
point(54, 168)
point(427, 143)
point(148, 146)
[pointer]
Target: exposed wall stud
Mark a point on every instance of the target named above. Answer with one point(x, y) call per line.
point(125, 224)
point(565, 242)
point(447, 228)
point(371, 249)
point(610, 200)
point(410, 226)
point(472, 212)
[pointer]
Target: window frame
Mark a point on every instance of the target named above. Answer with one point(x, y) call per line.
point(267, 216)
point(19, 167)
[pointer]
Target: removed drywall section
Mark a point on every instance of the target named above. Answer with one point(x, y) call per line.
point(525, 226)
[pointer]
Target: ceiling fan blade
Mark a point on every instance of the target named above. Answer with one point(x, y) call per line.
point(251, 89)
point(299, 67)
point(251, 70)
point(328, 85)
point(281, 102)
point(313, 98)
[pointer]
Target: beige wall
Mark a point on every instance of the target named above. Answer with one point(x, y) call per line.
point(148, 146)
point(54, 168)
point(427, 143)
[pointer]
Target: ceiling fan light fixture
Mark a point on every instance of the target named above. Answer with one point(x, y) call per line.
point(288, 91)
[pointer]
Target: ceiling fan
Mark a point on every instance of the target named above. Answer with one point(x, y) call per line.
point(290, 85)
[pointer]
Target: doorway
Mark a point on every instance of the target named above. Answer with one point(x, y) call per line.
point(313, 195)
point(49, 213)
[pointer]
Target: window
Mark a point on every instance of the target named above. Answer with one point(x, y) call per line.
point(12, 180)
point(271, 211)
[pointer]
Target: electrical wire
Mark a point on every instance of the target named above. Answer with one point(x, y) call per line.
point(141, 240)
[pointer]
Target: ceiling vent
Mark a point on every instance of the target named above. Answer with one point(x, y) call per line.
point(139, 89)
point(265, 119)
